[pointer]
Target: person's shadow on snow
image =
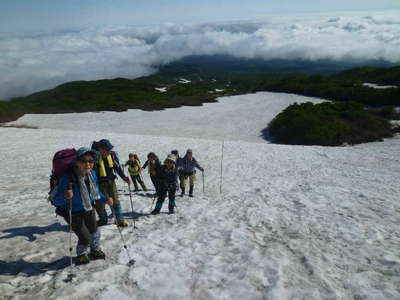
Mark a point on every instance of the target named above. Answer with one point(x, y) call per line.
point(31, 231)
point(31, 268)
point(134, 216)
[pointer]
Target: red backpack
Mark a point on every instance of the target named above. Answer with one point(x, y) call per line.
point(62, 161)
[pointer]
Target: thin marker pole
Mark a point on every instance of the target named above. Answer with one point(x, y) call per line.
point(222, 158)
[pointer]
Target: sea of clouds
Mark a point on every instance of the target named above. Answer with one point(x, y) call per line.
point(36, 62)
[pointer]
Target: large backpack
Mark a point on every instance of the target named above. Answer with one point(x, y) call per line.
point(62, 163)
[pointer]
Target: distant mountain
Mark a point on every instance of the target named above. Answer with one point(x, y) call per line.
point(227, 66)
point(195, 80)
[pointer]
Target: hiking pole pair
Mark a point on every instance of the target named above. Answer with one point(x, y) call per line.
point(130, 196)
point(131, 261)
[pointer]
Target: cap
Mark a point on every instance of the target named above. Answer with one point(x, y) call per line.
point(106, 144)
point(83, 151)
point(189, 150)
point(175, 152)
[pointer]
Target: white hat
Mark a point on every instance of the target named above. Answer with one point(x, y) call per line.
point(171, 157)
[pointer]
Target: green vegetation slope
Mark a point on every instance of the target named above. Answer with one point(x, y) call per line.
point(329, 124)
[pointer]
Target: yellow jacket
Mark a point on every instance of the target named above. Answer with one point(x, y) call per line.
point(133, 167)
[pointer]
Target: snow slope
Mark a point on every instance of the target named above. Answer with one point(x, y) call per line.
point(291, 222)
point(239, 117)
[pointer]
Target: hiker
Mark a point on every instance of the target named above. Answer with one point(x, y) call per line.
point(106, 166)
point(134, 168)
point(84, 194)
point(154, 168)
point(167, 182)
point(187, 167)
point(178, 166)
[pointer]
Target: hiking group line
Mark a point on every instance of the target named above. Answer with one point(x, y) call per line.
point(83, 181)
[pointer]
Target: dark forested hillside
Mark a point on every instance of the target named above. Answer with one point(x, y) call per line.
point(206, 78)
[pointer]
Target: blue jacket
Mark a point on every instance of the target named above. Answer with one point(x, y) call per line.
point(77, 204)
point(187, 165)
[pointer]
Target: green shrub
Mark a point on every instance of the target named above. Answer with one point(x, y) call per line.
point(328, 124)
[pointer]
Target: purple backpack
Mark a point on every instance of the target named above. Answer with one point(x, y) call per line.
point(61, 164)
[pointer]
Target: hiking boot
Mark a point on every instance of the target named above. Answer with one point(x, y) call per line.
point(183, 192)
point(191, 195)
point(155, 212)
point(171, 211)
point(101, 222)
point(136, 190)
point(122, 223)
point(97, 254)
point(83, 259)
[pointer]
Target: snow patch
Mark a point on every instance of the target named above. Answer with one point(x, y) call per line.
point(240, 117)
point(162, 89)
point(377, 86)
point(184, 81)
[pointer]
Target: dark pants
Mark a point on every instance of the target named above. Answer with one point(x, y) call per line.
point(83, 225)
point(137, 179)
point(162, 195)
point(154, 180)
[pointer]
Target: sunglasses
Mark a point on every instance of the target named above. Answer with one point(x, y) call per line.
point(84, 161)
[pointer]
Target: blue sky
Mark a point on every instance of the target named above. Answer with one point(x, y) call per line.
point(18, 16)
point(44, 43)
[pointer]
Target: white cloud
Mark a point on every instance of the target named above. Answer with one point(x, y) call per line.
point(29, 64)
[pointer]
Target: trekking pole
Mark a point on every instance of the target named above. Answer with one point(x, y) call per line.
point(140, 176)
point(130, 196)
point(123, 188)
point(131, 261)
point(222, 158)
point(71, 274)
point(152, 203)
point(202, 173)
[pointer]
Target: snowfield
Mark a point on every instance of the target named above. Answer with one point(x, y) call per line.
point(292, 222)
point(233, 118)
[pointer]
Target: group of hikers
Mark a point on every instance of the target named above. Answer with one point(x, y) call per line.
point(89, 184)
